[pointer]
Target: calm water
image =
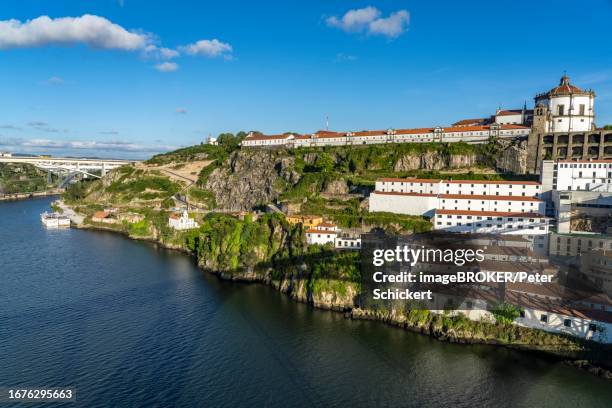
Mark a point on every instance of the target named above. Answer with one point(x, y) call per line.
point(127, 324)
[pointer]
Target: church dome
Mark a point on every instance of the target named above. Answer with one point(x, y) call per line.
point(565, 88)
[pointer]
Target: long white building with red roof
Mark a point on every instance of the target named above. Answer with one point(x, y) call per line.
point(468, 206)
point(468, 134)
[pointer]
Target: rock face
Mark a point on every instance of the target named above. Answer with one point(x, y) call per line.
point(336, 187)
point(435, 161)
point(251, 179)
point(513, 158)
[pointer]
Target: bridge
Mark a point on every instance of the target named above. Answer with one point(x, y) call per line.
point(67, 168)
point(68, 165)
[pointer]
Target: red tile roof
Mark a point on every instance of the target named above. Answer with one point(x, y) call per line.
point(319, 231)
point(326, 224)
point(465, 122)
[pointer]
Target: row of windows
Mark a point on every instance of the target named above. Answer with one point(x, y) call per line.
point(478, 217)
point(566, 322)
point(392, 190)
point(500, 226)
point(584, 165)
point(523, 186)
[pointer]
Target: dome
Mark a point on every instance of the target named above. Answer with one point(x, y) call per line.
point(565, 88)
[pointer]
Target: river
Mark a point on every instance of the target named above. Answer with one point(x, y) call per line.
point(128, 324)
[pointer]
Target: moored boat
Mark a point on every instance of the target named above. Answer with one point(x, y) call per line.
point(54, 220)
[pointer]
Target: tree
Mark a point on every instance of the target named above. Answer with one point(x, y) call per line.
point(227, 141)
point(324, 163)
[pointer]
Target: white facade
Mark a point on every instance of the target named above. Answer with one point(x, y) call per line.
point(486, 222)
point(6, 154)
point(403, 203)
point(182, 222)
point(320, 236)
point(426, 204)
point(514, 117)
point(466, 187)
point(347, 242)
point(570, 175)
point(469, 134)
point(534, 227)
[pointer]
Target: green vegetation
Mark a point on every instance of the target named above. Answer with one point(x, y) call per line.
point(21, 178)
point(349, 214)
point(76, 191)
point(505, 313)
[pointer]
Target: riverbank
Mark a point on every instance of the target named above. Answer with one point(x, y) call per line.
point(26, 196)
point(338, 295)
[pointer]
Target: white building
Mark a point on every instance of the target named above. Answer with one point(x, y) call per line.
point(322, 234)
point(469, 134)
point(567, 107)
point(489, 222)
point(5, 154)
point(426, 204)
point(514, 117)
point(465, 187)
point(182, 221)
point(423, 196)
point(344, 241)
point(532, 226)
point(574, 175)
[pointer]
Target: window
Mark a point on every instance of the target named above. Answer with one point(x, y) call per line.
point(581, 109)
point(592, 327)
point(544, 318)
point(561, 110)
point(567, 323)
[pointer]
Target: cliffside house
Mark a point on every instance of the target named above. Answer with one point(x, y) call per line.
point(309, 221)
point(182, 221)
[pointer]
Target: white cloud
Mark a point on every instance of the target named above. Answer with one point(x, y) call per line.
point(181, 111)
point(341, 57)
point(370, 20)
point(55, 80)
point(392, 26)
point(94, 31)
point(355, 20)
point(29, 144)
point(208, 48)
point(167, 53)
point(166, 67)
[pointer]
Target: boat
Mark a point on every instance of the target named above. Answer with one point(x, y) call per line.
point(54, 220)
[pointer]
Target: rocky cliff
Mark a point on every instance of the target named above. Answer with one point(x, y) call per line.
point(435, 160)
point(513, 158)
point(250, 178)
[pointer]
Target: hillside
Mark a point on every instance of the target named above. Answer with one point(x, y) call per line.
point(332, 181)
point(21, 178)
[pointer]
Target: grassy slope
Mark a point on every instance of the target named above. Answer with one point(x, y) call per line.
point(21, 178)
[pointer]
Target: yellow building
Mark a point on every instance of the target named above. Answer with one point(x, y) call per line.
point(306, 220)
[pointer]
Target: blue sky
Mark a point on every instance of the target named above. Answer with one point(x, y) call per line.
point(138, 76)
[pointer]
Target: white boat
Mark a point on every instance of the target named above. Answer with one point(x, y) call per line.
point(54, 220)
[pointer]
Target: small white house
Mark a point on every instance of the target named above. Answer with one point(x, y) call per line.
point(182, 221)
point(322, 234)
